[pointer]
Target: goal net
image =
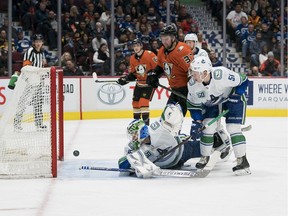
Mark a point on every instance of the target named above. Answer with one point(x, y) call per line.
point(31, 128)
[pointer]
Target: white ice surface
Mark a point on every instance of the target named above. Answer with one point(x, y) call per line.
point(100, 142)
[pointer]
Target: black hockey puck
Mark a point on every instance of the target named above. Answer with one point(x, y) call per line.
point(76, 153)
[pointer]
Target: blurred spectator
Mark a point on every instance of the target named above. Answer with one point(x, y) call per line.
point(234, 19)
point(71, 69)
point(119, 14)
point(143, 21)
point(121, 69)
point(156, 32)
point(247, 6)
point(154, 46)
point(254, 19)
point(127, 25)
point(246, 39)
point(84, 7)
point(85, 29)
point(180, 35)
point(255, 48)
point(105, 19)
point(75, 15)
point(4, 59)
point(83, 49)
point(65, 57)
point(267, 35)
point(241, 29)
point(270, 67)
point(200, 40)
point(98, 40)
point(263, 56)
point(186, 25)
point(183, 14)
point(5, 27)
point(162, 10)
point(121, 41)
point(153, 18)
point(133, 13)
point(118, 58)
point(205, 47)
point(253, 72)
point(44, 21)
point(214, 60)
point(27, 13)
point(101, 58)
point(23, 43)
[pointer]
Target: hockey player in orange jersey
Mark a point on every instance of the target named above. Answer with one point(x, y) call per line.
point(141, 62)
point(174, 58)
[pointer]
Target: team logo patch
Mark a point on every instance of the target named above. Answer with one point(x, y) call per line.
point(140, 69)
point(168, 69)
point(200, 94)
point(217, 74)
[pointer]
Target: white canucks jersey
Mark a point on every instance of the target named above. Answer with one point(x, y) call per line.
point(200, 52)
point(217, 91)
point(162, 141)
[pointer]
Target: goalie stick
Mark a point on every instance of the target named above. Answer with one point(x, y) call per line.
point(199, 173)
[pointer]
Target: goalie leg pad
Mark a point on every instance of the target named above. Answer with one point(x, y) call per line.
point(144, 168)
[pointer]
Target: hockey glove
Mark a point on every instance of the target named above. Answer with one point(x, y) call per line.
point(122, 81)
point(234, 98)
point(195, 131)
point(152, 79)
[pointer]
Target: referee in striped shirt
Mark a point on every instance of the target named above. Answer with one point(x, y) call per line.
point(34, 56)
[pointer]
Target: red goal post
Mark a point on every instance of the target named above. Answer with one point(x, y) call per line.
point(31, 128)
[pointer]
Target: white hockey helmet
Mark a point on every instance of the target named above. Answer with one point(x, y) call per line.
point(200, 64)
point(172, 118)
point(191, 37)
point(137, 131)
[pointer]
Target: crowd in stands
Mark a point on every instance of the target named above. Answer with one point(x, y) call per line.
point(254, 26)
point(86, 25)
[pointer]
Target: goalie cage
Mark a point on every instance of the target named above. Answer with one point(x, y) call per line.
point(31, 129)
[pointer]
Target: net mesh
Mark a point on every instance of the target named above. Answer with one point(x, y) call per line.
point(25, 131)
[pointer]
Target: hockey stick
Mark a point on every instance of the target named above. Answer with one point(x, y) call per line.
point(174, 92)
point(199, 173)
point(157, 173)
point(95, 78)
point(186, 140)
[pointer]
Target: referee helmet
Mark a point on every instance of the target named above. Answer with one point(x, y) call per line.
point(37, 37)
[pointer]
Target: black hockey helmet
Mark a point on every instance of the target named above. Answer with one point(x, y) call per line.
point(137, 41)
point(169, 30)
point(37, 37)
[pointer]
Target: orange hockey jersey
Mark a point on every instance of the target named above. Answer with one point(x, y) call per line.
point(140, 65)
point(176, 64)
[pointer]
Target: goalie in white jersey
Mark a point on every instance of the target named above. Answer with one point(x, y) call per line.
point(212, 89)
point(148, 143)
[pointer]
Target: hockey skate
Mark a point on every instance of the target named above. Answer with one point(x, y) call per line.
point(242, 167)
point(203, 162)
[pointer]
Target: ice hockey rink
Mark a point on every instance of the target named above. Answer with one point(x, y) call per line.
point(99, 193)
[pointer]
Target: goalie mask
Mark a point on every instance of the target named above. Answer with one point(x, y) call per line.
point(137, 131)
point(172, 118)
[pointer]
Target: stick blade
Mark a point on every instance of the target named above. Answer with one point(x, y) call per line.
point(94, 75)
